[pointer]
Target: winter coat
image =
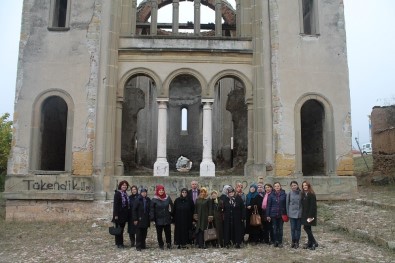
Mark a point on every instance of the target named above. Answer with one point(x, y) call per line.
point(218, 214)
point(161, 211)
point(203, 211)
point(233, 220)
point(122, 213)
point(140, 214)
point(293, 204)
point(257, 200)
point(276, 204)
point(309, 208)
point(131, 226)
point(182, 215)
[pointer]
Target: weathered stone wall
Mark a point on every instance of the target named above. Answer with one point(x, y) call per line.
point(383, 139)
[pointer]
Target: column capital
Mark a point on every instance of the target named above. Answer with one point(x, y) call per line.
point(204, 101)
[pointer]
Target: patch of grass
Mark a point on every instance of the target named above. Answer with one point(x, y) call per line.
point(2, 180)
point(360, 165)
point(324, 212)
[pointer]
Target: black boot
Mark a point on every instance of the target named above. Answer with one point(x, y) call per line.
point(293, 244)
point(168, 245)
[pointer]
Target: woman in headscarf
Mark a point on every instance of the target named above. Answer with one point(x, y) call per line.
point(202, 215)
point(217, 206)
point(253, 205)
point(131, 226)
point(224, 193)
point(141, 220)
point(121, 210)
point(160, 212)
point(182, 214)
point(234, 216)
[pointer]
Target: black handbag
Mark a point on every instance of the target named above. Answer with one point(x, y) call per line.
point(115, 230)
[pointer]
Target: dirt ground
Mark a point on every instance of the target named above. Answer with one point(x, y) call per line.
point(89, 241)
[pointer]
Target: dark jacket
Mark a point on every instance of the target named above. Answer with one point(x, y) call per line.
point(131, 226)
point(122, 212)
point(203, 211)
point(161, 211)
point(140, 214)
point(182, 215)
point(276, 204)
point(309, 208)
point(233, 220)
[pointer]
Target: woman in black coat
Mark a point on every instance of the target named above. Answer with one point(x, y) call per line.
point(217, 206)
point(182, 215)
point(121, 210)
point(131, 227)
point(309, 214)
point(141, 218)
point(253, 201)
point(234, 216)
point(160, 213)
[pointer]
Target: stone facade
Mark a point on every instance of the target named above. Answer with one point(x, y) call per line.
point(102, 87)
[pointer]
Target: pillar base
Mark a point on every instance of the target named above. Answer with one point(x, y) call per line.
point(207, 168)
point(119, 169)
point(161, 168)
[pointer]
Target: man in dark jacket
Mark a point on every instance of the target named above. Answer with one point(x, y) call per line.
point(141, 218)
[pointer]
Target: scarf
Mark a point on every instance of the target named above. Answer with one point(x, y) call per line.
point(264, 203)
point(252, 195)
point(162, 197)
point(124, 196)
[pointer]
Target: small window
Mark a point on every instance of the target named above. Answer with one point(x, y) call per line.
point(309, 17)
point(59, 15)
point(184, 120)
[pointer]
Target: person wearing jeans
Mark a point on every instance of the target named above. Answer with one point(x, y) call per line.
point(276, 207)
point(294, 212)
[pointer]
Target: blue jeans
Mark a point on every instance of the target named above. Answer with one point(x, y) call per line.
point(278, 229)
point(295, 229)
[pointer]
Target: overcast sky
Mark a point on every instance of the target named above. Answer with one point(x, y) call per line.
point(370, 27)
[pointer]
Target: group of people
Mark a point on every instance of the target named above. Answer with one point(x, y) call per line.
point(230, 213)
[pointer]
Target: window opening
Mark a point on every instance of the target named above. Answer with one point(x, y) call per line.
point(184, 119)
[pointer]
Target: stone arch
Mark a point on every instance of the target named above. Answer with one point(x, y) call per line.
point(36, 129)
point(178, 72)
point(229, 73)
point(328, 132)
point(139, 71)
point(228, 13)
point(231, 91)
point(138, 118)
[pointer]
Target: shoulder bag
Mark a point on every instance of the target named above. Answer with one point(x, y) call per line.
point(255, 219)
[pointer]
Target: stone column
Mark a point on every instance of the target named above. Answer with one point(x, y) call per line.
point(250, 153)
point(238, 18)
point(176, 17)
point(126, 18)
point(218, 18)
point(119, 168)
point(133, 18)
point(197, 17)
point(154, 17)
point(207, 166)
point(161, 166)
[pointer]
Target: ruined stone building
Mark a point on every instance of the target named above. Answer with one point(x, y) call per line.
point(108, 90)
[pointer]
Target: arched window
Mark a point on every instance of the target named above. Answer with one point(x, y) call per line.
point(184, 120)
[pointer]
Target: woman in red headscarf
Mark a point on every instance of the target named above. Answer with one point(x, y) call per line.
point(161, 214)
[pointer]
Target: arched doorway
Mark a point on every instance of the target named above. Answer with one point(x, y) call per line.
point(185, 135)
point(312, 136)
point(230, 114)
point(53, 136)
point(139, 123)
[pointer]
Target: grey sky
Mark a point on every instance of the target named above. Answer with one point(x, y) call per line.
point(370, 44)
